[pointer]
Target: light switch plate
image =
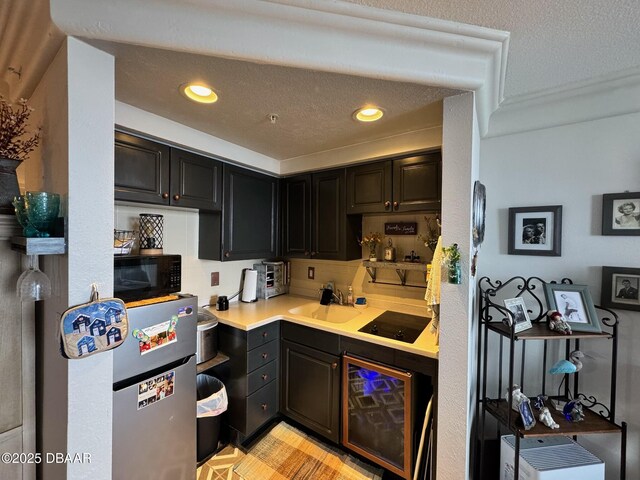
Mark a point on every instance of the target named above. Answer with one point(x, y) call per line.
point(215, 279)
point(311, 273)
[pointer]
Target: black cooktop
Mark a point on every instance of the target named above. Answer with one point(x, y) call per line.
point(399, 326)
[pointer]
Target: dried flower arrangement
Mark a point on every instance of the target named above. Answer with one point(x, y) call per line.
point(371, 240)
point(15, 142)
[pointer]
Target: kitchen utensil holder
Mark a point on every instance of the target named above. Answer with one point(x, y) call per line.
point(151, 227)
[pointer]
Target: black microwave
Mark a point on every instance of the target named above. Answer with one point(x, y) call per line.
point(137, 277)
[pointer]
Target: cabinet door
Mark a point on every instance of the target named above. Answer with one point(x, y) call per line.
point(141, 170)
point(250, 214)
point(310, 388)
point(416, 183)
point(329, 216)
point(296, 216)
point(369, 188)
point(196, 181)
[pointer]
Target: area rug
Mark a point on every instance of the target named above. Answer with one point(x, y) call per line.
point(286, 453)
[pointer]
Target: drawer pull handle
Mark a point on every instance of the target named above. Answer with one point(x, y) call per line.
point(176, 197)
point(165, 195)
point(264, 376)
point(334, 365)
point(264, 406)
point(265, 334)
point(387, 204)
point(265, 355)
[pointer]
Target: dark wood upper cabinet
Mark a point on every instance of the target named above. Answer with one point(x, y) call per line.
point(416, 183)
point(296, 216)
point(250, 214)
point(400, 184)
point(369, 188)
point(315, 221)
point(150, 172)
point(196, 181)
point(141, 170)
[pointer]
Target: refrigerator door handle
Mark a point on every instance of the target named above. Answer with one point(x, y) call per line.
point(127, 382)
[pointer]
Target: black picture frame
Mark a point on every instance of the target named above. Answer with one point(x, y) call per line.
point(615, 221)
point(620, 287)
point(575, 304)
point(535, 231)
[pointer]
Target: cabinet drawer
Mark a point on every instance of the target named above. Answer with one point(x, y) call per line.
point(260, 377)
point(262, 335)
point(311, 337)
point(262, 355)
point(261, 406)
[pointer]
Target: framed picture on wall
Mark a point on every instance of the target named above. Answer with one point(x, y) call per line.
point(621, 213)
point(620, 287)
point(535, 230)
point(575, 304)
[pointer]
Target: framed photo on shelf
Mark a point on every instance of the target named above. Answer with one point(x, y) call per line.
point(620, 286)
point(621, 213)
point(519, 313)
point(526, 415)
point(574, 302)
point(535, 231)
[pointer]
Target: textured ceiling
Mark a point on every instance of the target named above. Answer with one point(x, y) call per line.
point(553, 43)
point(314, 108)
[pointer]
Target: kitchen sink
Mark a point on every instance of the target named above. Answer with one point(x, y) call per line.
point(329, 313)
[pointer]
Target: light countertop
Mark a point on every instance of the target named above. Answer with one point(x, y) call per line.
point(247, 316)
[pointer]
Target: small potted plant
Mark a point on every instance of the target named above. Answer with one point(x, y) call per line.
point(16, 142)
point(371, 241)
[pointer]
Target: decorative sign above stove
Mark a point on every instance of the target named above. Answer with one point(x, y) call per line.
point(401, 228)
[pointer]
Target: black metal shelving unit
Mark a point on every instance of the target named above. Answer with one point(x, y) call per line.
point(599, 417)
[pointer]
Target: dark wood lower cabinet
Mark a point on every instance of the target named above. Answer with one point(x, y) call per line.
point(310, 383)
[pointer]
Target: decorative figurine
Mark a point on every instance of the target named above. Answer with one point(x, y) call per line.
point(546, 418)
point(539, 402)
point(517, 397)
point(573, 411)
point(572, 365)
point(557, 322)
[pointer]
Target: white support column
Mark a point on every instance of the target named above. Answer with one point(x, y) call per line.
point(456, 362)
point(91, 90)
point(75, 102)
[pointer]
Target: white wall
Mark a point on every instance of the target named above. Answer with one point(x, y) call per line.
point(572, 166)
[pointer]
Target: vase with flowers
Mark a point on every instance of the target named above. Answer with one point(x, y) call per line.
point(16, 142)
point(371, 241)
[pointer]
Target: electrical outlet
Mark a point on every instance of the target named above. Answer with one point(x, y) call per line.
point(215, 279)
point(311, 273)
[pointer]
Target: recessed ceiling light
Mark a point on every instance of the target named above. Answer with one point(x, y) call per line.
point(199, 93)
point(368, 114)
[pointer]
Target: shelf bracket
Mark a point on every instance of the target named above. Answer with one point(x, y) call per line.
point(403, 275)
point(372, 273)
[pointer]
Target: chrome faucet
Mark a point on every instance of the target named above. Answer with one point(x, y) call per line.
point(338, 298)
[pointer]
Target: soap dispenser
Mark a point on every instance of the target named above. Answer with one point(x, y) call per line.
point(350, 296)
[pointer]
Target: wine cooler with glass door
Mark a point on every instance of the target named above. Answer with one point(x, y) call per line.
point(377, 413)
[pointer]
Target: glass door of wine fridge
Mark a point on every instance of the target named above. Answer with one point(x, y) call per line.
point(377, 413)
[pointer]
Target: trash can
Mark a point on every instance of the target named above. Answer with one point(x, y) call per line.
point(212, 401)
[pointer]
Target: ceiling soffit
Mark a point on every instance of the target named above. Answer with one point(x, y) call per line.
point(334, 37)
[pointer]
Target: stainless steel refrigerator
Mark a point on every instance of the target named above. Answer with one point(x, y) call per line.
point(154, 394)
